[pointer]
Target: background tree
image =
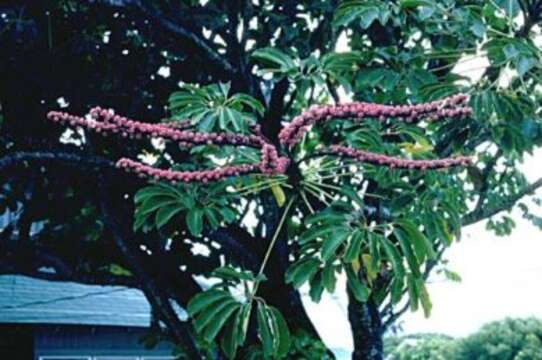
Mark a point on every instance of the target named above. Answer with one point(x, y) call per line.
point(420, 347)
point(261, 63)
point(509, 339)
point(512, 339)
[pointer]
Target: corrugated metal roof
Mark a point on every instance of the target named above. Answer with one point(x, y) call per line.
point(28, 300)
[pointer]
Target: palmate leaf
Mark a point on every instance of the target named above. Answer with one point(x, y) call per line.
point(163, 200)
point(216, 310)
point(211, 108)
point(160, 204)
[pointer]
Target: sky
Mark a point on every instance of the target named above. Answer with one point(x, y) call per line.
point(501, 277)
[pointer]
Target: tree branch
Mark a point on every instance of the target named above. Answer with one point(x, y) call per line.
point(175, 28)
point(505, 204)
point(18, 157)
point(157, 298)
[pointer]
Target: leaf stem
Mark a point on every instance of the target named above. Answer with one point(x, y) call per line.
point(270, 247)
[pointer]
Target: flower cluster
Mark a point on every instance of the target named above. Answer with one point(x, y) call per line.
point(271, 162)
point(173, 176)
point(393, 162)
point(454, 106)
point(107, 122)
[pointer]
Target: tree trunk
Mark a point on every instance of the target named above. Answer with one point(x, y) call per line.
point(366, 327)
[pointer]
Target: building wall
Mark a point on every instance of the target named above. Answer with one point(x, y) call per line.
point(95, 343)
point(16, 342)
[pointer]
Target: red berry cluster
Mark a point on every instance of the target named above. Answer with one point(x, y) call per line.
point(450, 107)
point(393, 162)
point(106, 122)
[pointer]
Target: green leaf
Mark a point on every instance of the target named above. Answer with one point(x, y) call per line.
point(411, 4)
point(366, 13)
point(281, 333)
point(327, 216)
point(274, 59)
point(368, 16)
point(406, 248)
point(300, 272)
point(441, 229)
point(248, 101)
point(204, 299)
point(264, 330)
point(164, 214)
point(210, 314)
point(422, 246)
point(328, 278)
point(229, 341)
point(413, 292)
point(359, 290)
point(154, 203)
point(510, 7)
point(352, 194)
point(397, 285)
point(119, 270)
point(212, 217)
point(219, 319)
point(228, 214)
point(452, 275)
point(316, 287)
point(424, 299)
point(194, 221)
point(332, 243)
point(393, 256)
point(315, 232)
point(354, 246)
point(243, 322)
point(150, 191)
point(337, 63)
point(229, 273)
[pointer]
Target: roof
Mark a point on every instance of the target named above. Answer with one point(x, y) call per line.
point(27, 300)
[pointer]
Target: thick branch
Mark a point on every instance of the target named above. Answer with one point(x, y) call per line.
point(158, 300)
point(19, 157)
point(175, 28)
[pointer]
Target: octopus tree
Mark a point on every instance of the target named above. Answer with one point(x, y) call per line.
point(132, 54)
point(327, 226)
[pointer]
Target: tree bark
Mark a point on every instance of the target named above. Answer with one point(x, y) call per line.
point(367, 331)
